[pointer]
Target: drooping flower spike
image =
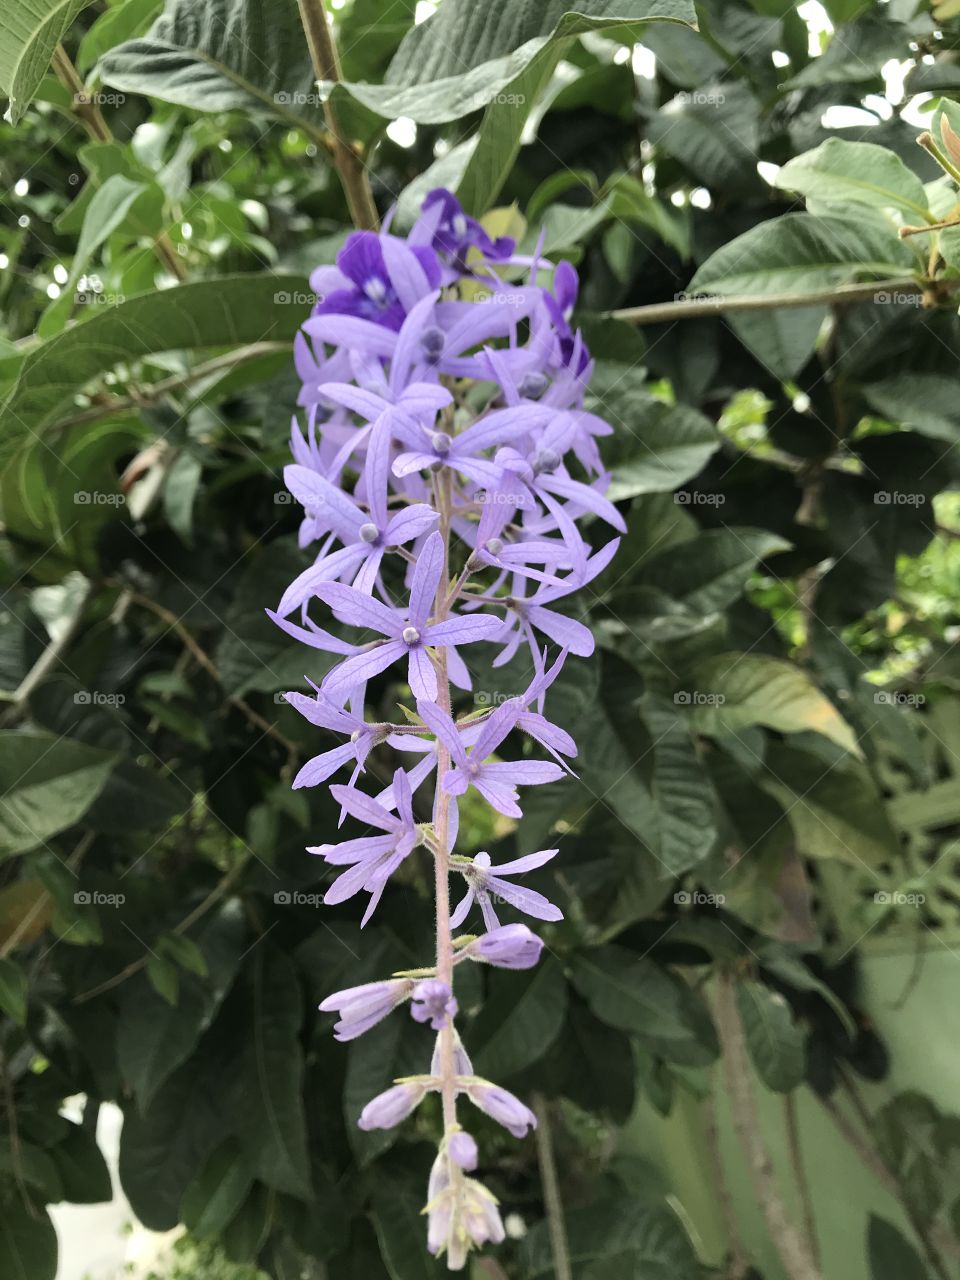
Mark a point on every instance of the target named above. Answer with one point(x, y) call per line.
point(448, 473)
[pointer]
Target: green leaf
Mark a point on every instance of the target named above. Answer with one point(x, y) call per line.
point(656, 446)
point(32, 1165)
point(638, 996)
point(13, 990)
point(30, 30)
point(891, 1256)
point(782, 338)
point(845, 173)
point(511, 52)
point(155, 1036)
point(82, 1168)
point(774, 1040)
point(925, 401)
point(231, 55)
point(46, 785)
point(707, 573)
point(619, 1237)
point(713, 133)
point(800, 253)
point(520, 1019)
point(682, 792)
point(229, 311)
point(216, 1194)
point(739, 689)
point(834, 812)
point(269, 1100)
point(179, 494)
point(28, 1243)
point(400, 1226)
point(789, 968)
point(121, 22)
point(185, 952)
point(164, 977)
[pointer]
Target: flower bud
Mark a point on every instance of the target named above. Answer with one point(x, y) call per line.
point(503, 1106)
point(362, 1007)
point(512, 946)
point(389, 1108)
point(433, 1002)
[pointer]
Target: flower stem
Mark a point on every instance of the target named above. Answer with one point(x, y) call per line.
point(441, 820)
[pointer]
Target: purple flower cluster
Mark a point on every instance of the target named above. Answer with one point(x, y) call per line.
point(445, 469)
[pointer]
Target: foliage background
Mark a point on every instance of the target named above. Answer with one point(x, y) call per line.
point(767, 780)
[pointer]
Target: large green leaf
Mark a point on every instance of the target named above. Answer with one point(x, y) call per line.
point(155, 1037)
point(735, 690)
point(656, 446)
point(212, 313)
point(520, 1020)
point(28, 1242)
point(621, 1239)
point(399, 1224)
point(774, 1040)
point(636, 995)
point(218, 1191)
point(82, 1168)
point(13, 990)
point(510, 51)
point(891, 1256)
point(709, 572)
point(843, 173)
point(927, 402)
point(713, 133)
point(686, 805)
point(30, 30)
point(799, 253)
point(269, 1100)
point(223, 55)
point(46, 784)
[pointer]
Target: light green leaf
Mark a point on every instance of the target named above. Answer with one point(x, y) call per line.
point(13, 990)
point(774, 1040)
point(798, 253)
point(179, 494)
point(121, 22)
point(46, 785)
point(226, 55)
point(740, 689)
point(230, 311)
point(844, 173)
point(30, 30)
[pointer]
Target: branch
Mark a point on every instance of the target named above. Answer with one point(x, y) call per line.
point(86, 109)
point(720, 304)
point(157, 390)
point(800, 1174)
point(559, 1247)
point(48, 659)
point(787, 1240)
point(326, 64)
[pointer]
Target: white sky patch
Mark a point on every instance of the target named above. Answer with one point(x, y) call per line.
point(4, 262)
point(402, 131)
point(53, 291)
point(60, 273)
point(779, 58)
point(818, 21)
point(768, 171)
point(678, 199)
point(700, 198)
point(838, 117)
point(21, 187)
point(644, 62)
point(425, 9)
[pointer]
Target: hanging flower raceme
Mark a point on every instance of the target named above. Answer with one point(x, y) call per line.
point(445, 472)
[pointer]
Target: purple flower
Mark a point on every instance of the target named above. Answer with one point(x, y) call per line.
point(408, 631)
point(361, 1008)
point(496, 781)
point(376, 278)
point(453, 233)
point(433, 1002)
point(387, 1109)
point(487, 883)
point(327, 715)
point(501, 1105)
point(507, 946)
point(463, 1150)
point(371, 859)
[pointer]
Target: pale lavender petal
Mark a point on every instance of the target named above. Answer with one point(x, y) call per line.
point(465, 630)
point(566, 632)
point(409, 523)
point(528, 862)
point(364, 666)
point(523, 899)
point(421, 675)
point(364, 808)
point(324, 766)
point(426, 579)
point(357, 609)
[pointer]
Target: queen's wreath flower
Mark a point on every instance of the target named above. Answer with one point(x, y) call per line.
point(445, 465)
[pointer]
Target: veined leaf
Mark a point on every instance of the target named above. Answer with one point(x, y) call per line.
point(839, 172)
point(30, 30)
point(46, 784)
point(774, 1040)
